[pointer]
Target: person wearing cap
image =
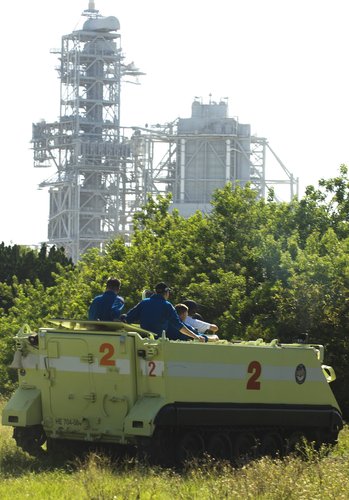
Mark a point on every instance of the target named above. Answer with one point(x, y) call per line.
point(198, 324)
point(108, 306)
point(174, 334)
point(156, 313)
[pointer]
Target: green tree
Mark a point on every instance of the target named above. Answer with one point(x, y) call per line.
point(260, 269)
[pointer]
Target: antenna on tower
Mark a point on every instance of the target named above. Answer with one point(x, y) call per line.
point(91, 9)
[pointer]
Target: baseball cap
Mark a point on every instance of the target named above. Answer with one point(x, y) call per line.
point(162, 287)
point(191, 305)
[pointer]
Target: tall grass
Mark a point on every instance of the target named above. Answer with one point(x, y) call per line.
point(318, 475)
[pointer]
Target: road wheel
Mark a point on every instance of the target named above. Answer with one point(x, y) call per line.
point(244, 448)
point(219, 446)
point(190, 445)
point(271, 445)
point(162, 447)
point(30, 439)
point(315, 438)
point(295, 443)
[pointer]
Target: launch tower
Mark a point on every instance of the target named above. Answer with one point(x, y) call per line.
point(90, 156)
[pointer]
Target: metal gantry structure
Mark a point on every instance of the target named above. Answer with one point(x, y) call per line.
point(104, 172)
point(93, 180)
point(192, 157)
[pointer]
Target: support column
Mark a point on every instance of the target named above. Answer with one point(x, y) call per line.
point(182, 171)
point(227, 160)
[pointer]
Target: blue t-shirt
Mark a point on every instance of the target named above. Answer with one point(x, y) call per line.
point(154, 314)
point(106, 307)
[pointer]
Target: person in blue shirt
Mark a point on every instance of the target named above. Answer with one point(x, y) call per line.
point(174, 334)
point(156, 313)
point(108, 306)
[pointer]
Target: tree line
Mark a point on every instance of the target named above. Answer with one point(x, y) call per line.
point(260, 268)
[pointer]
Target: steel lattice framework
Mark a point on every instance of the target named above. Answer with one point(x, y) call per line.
point(104, 172)
point(94, 179)
point(165, 166)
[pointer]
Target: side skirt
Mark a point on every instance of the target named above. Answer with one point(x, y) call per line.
point(224, 414)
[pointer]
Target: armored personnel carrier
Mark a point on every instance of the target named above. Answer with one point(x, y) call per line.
point(113, 383)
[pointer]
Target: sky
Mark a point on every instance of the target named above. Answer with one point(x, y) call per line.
point(283, 64)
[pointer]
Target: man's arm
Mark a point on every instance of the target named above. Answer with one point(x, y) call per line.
point(134, 314)
point(191, 334)
point(201, 326)
point(213, 328)
point(117, 307)
point(92, 311)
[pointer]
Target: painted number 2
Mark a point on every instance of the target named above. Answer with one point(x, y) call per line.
point(109, 352)
point(253, 383)
point(151, 368)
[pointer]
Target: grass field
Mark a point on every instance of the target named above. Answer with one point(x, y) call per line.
point(321, 475)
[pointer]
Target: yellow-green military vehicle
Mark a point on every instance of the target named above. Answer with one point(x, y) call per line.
point(101, 382)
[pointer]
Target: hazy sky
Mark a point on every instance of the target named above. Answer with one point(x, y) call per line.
point(282, 63)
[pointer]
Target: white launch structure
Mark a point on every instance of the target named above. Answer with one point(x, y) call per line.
point(103, 172)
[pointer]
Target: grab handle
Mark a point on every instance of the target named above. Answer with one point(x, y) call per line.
point(329, 373)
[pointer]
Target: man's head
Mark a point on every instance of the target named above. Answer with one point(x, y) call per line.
point(113, 284)
point(162, 289)
point(192, 306)
point(182, 311)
